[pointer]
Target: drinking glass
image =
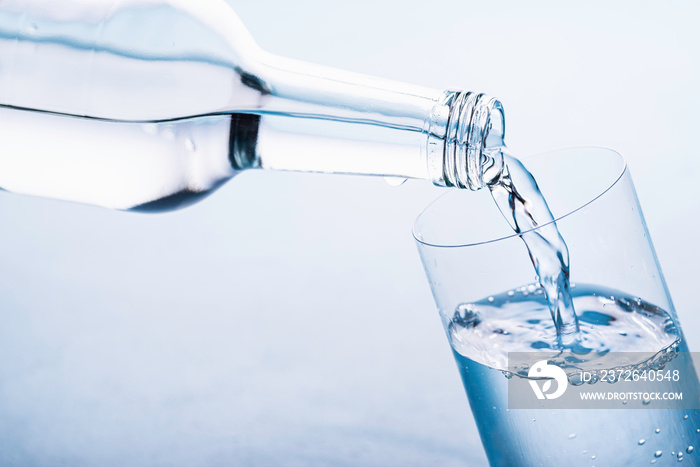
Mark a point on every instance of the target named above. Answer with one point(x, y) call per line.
point(471, 255)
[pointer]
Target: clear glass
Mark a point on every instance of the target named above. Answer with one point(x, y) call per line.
point(179, 98)
point(591, 195)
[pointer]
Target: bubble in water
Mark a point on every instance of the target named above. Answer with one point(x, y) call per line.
point(641, 442)
point(658, 453)
point(658, 430)
point(576, 379)
point(466, 315)
point(491, 299)
point(511, 293)
point(685, 417)
point(531, 288)
point(572, 435)
point(660, 363)
point(689, 450)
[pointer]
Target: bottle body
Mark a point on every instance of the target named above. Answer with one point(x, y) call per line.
point(155, 78)
point(119, 165)
point(155, 166)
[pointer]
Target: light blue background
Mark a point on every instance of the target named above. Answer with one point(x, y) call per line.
point(286, 319)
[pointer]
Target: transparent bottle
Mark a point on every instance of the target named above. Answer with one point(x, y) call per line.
point(152, 104)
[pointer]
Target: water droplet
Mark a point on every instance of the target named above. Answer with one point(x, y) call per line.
point(572, 435)
point(491, 299)
point(697, 431)
point(494, 407)
point(624, 402)
point(653, 461)
point(189, 145)
point(646, 401)
point(511, 293)
point(531, 288)
point(685, 417)
point(612, 297)
point(395, 181)
point(658, 454)
point(593, 457)
point(689, 450)
point(658, 430)
point(534, 419)
point(585, 451)
point(641, 442)
point(680, 456)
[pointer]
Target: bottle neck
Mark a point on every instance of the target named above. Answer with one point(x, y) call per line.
point(345, 122)
point(465, 139)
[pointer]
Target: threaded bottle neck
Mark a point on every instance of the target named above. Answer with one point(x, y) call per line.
point(465, 138)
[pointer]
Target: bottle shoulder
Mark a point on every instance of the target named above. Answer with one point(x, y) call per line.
point(125, 60)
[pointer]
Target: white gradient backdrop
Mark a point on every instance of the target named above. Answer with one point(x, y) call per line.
point(286, 319)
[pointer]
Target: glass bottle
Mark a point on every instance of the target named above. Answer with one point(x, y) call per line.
point(152, 104)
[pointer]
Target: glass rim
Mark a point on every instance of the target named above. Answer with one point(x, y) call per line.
point(513, 235)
